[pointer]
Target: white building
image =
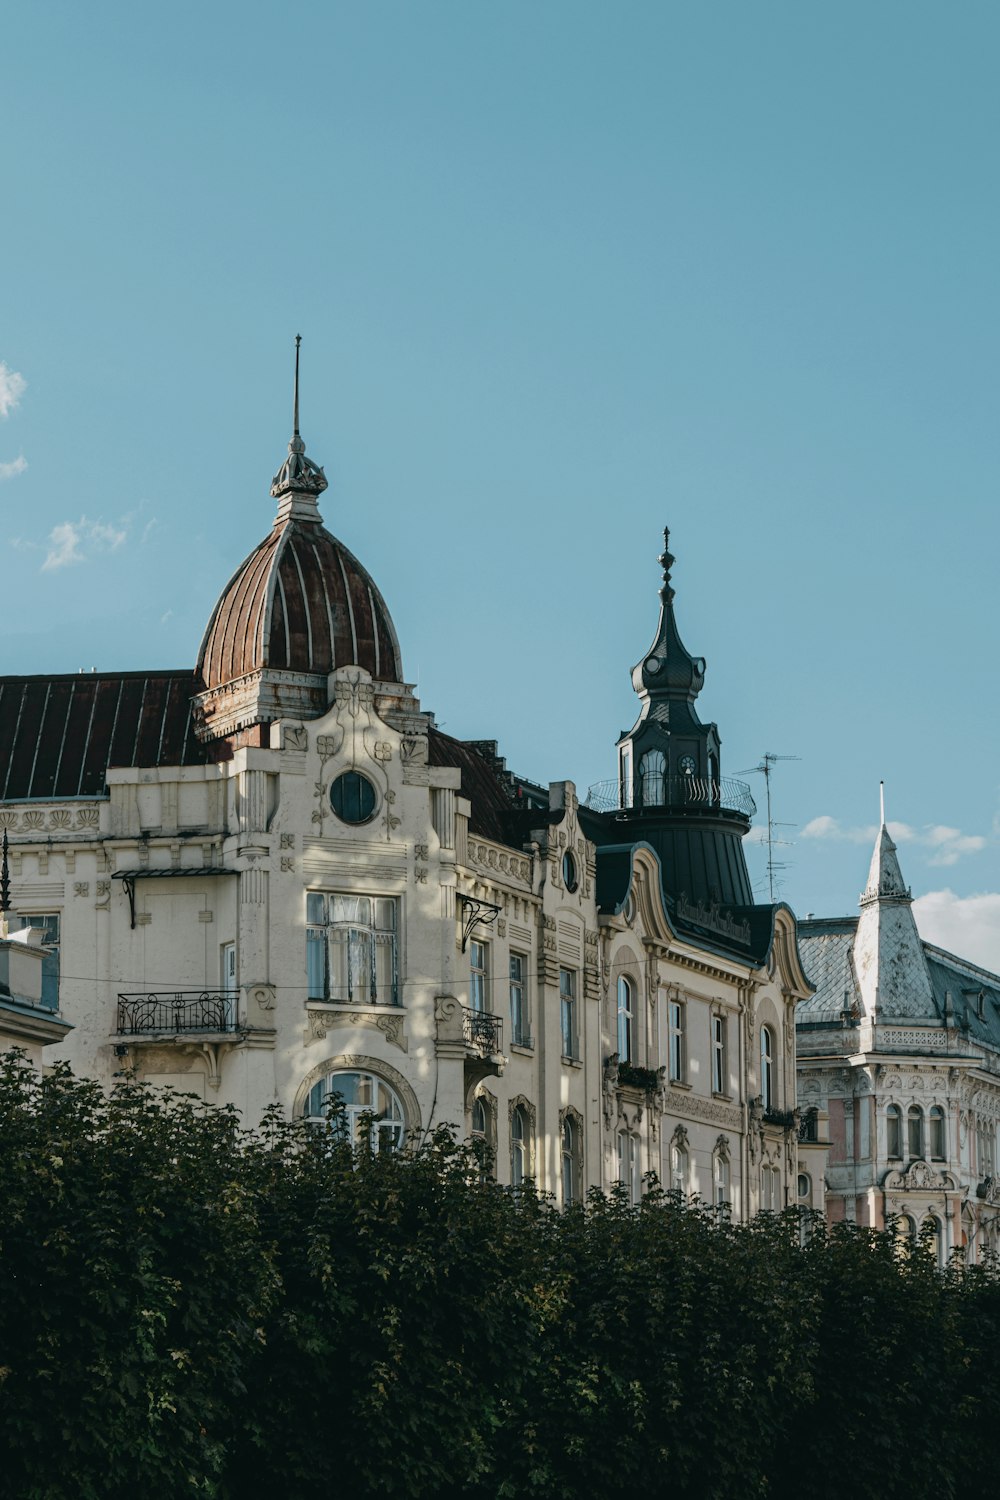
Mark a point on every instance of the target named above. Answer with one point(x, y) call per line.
point(272, 878)
point(901, 1046)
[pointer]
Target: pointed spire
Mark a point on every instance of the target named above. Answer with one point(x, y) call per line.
point(889, 961)
point(885, 878)
point(299, 481)
point(668, 670)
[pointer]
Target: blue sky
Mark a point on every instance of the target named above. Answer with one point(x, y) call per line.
point(565, 272)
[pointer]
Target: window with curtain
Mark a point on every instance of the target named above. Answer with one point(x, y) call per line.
point(351, 949)
point(767, 1067)
point(626, 1021)
point(367, 1109)
point(894, 1132)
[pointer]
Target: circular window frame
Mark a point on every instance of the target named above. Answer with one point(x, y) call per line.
point(362, 781)
point(570, 873)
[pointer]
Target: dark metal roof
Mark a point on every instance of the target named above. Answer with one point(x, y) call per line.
point(488, 792)
point(175, 872)
point(59, 735)
point(301, 602)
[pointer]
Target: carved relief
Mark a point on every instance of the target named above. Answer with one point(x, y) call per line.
point(287, 865)
point(391, 1026)
point(287, 841)
point(295, 737)
point(88, 817)
point(61, 818)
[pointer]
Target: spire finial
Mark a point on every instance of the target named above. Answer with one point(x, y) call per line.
point(4, 886)
point(298, 475)
point(295, 421)
point(666, 561)
point(881, 803)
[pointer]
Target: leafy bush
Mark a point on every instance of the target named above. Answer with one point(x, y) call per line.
point(188, 1308)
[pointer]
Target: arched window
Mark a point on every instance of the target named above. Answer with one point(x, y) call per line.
point(804, 1186)
point(628, 1164)
point(932, 1226)
point(894, 1132)
point(519, 1146)
point(720, 1178)
point(906, 1232)
point(570, 1161)
point(937, 1133)
point(915, 1132)
point(767, 1067)
point(360, 1107)
point(483, 1131)
point(626, 1019)
point(651, 769)
point(679, 1168)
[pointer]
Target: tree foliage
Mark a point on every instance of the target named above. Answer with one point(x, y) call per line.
point(188, 1308)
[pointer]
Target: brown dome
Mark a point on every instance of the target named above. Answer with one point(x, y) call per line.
point(301, 602)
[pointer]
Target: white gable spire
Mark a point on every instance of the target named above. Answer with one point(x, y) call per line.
point(888, 955)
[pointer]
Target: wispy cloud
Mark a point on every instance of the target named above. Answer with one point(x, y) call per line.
point(77, 541)
point(12, 388)
point(966, 925)
point(946, 845)
point(14, 467)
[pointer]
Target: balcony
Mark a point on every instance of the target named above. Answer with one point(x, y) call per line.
point(483, 1032)
point(784, 1119)
point(177, 1013)
point(688, 793)
point(809, 1127)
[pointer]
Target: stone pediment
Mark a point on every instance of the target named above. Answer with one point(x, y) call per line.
point(919, 1178)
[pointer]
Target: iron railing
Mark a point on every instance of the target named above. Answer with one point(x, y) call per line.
point(176, 1012)
point(785, 1119)
point(482, 1031)
point(653, 791)
point(809, 1127)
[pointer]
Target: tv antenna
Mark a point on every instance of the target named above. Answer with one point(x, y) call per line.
point(765, 768)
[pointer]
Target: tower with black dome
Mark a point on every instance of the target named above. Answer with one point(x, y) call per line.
point(670, 792)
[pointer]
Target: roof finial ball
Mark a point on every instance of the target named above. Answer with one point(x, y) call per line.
point(666, 561)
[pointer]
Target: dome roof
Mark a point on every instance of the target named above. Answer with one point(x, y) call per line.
point(301, 602)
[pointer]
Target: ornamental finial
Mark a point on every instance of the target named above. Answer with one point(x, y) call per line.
point(295, 415)
point(666, 561)
point(298, 475)
point(4, 885)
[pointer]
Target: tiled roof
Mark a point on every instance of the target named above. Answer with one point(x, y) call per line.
point(825, 948)
point(59, 735)
point(301, 602)
point(490, 800)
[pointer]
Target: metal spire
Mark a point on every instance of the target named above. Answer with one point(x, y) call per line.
point(295, 423)
point(881, 804)
point(666, 561)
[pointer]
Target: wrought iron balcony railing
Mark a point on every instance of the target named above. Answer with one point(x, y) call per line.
point(483, 1031)
point(176, 1012)
point(687, 792)
point(809, 1127)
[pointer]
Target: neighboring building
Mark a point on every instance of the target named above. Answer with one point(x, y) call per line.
point(901, 1045)
point(27, 1018)
point(272, 878)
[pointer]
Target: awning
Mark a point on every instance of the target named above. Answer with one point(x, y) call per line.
point(128, 878)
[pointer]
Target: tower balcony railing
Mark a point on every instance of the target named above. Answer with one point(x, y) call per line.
point(654, 791)
point(176, 1012)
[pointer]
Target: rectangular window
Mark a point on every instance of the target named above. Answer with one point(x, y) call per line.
point(567, 1011)
point(719, 1079)
point(479, 976)
point(628, 1164)
point(351, 953)
point(48, 926)
point(676, 1019)
point(519, 1027)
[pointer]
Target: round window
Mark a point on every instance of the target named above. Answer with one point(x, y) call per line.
point(569, 871)
point(352, 798)
point(804, 1185)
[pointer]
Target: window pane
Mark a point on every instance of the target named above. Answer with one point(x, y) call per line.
point(385, 968)
point(315, 907)
point(316, 963)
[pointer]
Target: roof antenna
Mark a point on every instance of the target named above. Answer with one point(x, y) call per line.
point(295, 423)
point(881, 802)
